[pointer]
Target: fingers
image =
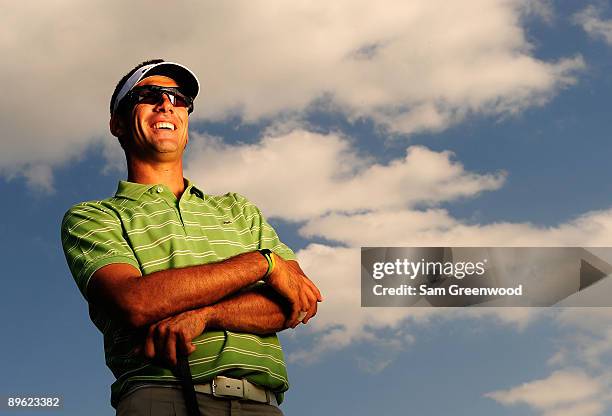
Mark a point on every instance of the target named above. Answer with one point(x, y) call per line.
point(184, 345)
point(163, 343)
point(170, 353)
point(306, 306)
point(295, 265)
point(172, 336)
point(159, 340)
point(300, 308)
point(314, 288)
point(308, 300)
point(296, 307)
point(310, 304)
point(294, 297)
point(296, 269)
point(149, 345)
point(287, 284)
point(301, 293)
point(311, 312)
point(305, 299)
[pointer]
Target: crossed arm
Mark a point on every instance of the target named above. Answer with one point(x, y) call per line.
point(178, 304)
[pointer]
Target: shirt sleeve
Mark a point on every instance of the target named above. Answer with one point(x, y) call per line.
point(92, 237)
point(262, 231)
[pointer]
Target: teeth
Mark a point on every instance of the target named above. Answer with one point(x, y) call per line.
point(163, 125)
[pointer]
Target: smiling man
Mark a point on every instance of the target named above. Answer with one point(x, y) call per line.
point(170, 272)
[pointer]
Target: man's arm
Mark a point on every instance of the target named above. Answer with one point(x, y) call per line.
point(142, 300)
point(256, 311)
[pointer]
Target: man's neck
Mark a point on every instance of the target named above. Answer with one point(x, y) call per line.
point(166, 173)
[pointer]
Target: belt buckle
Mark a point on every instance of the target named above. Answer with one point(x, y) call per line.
point(227, 387)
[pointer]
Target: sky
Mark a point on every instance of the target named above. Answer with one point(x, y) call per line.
point(354, 123)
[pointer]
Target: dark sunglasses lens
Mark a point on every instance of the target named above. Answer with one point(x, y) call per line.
point(155, 96)
point(180, 101)
point(149, 97)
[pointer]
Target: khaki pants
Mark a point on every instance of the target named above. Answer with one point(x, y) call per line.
point(168, 401)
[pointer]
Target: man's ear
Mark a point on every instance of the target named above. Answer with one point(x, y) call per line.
point(117, 127)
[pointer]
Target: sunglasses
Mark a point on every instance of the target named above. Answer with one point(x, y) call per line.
point(154, 94)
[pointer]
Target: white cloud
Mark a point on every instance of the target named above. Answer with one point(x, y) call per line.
point(436, 227)
point(560, 388)
point(589, 342)
point(339, 180)
point(589, 320)
point(583, 385)
point(39, 177)
point(589, 408)
point(410, 66)
point(559, 358)
point(594, 25)
point(540, 8)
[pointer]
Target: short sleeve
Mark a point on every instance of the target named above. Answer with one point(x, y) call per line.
point(262, 231)
point(92, 237)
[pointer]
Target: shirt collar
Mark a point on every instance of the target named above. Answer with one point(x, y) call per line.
point(192, 189)
point(134, 191)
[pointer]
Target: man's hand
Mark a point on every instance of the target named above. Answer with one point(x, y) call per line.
point(173, 335)
point(289, 281)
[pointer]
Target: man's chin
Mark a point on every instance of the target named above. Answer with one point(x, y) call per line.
point(163, 152)
point(166, 144)
point(169, 151)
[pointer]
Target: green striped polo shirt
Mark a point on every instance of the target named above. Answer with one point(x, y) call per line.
point(147, 227)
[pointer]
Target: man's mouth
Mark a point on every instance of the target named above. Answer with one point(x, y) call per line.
point(163, 125)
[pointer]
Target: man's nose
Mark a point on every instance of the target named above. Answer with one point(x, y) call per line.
point(164, 104)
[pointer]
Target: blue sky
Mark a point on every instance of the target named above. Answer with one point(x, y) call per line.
point(484, 124)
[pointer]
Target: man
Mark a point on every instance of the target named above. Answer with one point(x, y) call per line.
point(169, 271)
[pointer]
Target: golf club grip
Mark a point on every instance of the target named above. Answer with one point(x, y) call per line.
point(184, 375)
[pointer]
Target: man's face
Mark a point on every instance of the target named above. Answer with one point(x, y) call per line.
point(152, 136)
